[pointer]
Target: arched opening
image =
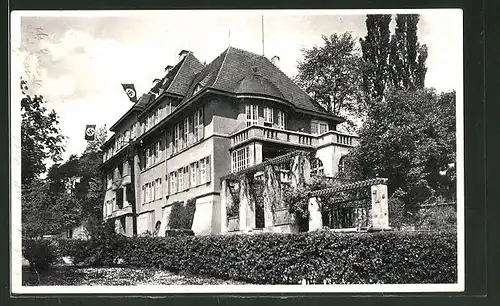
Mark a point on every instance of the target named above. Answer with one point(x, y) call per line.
point(157, 228)
point(317, 167)
point(342, 163)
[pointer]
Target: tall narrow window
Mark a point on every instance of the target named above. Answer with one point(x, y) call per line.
point(153, 191)
point(198, 125)
point(203, 171)
point(342, 164)
point(252, 114)
point(240, 159)
point(177, 136)
point(158, 191)
point(193, 175)
point(180, 177)
point(186, 132)
point(317, 167)
point(281, 120)
point(268, 116)
point(172, 182)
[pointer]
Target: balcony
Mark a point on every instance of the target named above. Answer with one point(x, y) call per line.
point(273, 135)
point(258, 132)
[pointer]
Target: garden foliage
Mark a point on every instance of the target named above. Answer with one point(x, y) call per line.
point(319, 257)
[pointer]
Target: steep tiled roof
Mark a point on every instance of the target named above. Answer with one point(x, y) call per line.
point(256, 84)
point(184, 75)
point(237, 71)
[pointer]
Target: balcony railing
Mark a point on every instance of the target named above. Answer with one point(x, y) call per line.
point(291, 137)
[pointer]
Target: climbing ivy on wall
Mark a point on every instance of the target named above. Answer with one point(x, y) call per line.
point(181, 216)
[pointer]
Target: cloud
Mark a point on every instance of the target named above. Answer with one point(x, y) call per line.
point(88, 57)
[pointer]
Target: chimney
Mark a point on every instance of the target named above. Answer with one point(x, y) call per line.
point(168, 68)
point(276, 61)
point(183, 54)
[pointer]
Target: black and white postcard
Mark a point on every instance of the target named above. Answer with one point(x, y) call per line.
point(234, 151)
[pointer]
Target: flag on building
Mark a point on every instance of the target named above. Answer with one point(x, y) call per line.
point(130, 91)
point(90, 132)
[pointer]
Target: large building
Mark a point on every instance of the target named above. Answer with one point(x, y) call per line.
point(201, 122)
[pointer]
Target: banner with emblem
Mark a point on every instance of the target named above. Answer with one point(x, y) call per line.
point(90, 132)
point(130, 91)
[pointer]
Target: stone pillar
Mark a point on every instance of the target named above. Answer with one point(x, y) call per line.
point(315, 219)
point(247, 206)
point(297, 177)
point(272, 196)
point(226, 201)
point(380, 208)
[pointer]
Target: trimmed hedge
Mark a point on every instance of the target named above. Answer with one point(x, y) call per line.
point(334, 258)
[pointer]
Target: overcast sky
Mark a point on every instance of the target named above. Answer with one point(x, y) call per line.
point(86, 57)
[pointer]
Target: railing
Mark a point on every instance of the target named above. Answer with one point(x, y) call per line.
point(291, 137)
point(277, 135)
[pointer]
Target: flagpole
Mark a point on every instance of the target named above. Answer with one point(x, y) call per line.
point(229, 38)
point(262, 27)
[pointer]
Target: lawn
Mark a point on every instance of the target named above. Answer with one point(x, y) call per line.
point(78, 276)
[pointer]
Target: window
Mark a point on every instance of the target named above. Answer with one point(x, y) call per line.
point(158, 189)
point(203, 171)
point(180, 177)
point(172, 182)
point(119, 197)
point(240, 159)
point(186, 131)
point(252, 114)
point(268, 116)
point(198, 125)
point(318, 127)
point(193, 175)
point(317, 167)
point(281, 120)
point(153, 191)
point(342, 164)
point(177, 139)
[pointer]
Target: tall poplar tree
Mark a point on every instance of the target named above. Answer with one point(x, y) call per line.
point(407, 57)
point(375, 47)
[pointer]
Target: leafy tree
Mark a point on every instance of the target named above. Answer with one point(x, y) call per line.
point(375, 47)
point(407, 57)
point(409, 139)
point(41, 137)
point(330, 74)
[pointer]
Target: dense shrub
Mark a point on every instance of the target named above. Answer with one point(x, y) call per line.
point(40, 253)
point(337, 258)
point(78, 250)
point(438, 218)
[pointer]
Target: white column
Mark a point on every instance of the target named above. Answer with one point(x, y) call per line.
point(380, 207)
point(225, 201)
point(315, 219)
